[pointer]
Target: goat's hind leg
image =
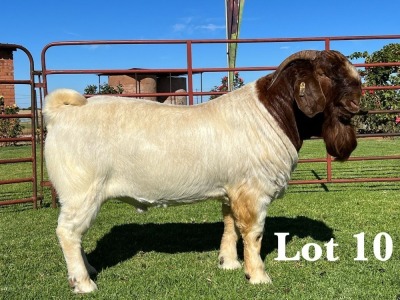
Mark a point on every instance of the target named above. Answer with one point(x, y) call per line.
point(74, 220)
point(228, 258)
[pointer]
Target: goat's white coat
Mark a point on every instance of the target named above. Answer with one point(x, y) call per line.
point(151, 154)
point(159, 154)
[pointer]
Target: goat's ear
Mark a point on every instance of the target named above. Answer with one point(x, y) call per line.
point(309, 96)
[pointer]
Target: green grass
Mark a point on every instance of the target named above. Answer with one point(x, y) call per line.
point(172, 253)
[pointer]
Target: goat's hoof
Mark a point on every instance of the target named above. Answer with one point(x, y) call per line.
point(259, 279)
point(226, 264)
point(82, 287)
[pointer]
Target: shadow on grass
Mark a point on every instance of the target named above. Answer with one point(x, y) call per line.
point(125, 241)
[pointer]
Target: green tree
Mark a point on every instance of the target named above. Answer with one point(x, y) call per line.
point(104, 88)
point(380, 99)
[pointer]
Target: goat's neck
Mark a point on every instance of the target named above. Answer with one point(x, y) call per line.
point(280, 104)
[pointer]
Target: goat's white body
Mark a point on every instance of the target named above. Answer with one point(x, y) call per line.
point(157, 154)
point(151, 154)
point(231, 148)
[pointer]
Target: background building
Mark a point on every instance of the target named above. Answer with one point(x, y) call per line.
point(7, 90)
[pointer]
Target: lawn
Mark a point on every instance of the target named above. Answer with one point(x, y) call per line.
point(172, 253)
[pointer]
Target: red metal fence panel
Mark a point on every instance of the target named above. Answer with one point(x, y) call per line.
point(30, 138)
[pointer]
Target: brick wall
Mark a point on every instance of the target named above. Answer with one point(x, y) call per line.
point(148, 84)
point(143, 84)
point(7, 73)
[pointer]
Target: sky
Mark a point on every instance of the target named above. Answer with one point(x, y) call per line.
point(34, 24)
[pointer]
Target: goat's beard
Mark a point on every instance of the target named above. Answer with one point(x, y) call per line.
point(339, 136)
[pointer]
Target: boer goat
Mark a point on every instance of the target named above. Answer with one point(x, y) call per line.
point(240, 148)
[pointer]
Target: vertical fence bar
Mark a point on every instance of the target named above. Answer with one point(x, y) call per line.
point(328, 156)
point(327, 44)
point(329, 167)
point(33, 138)
point(190, 71)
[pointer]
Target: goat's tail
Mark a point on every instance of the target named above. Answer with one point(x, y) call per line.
point(58, 99)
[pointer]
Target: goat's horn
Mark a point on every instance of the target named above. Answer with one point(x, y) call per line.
point(305, 54)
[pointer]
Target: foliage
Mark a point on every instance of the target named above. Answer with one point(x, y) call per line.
point(104, 88)
point(237, 83)
point(380, 99)
point(9, 128)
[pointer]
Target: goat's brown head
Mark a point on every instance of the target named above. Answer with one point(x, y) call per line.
point(315, 93)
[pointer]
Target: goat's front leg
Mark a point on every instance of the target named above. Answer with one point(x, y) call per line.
point(72, 224)
point(227, 257)
point(249, 211)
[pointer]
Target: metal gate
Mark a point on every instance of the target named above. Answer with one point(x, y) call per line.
point(7, 179)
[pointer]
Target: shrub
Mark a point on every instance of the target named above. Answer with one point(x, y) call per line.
point(383, 122)
point(104, 88)
point(237, 83)
point(9, 128)
point(380, 99)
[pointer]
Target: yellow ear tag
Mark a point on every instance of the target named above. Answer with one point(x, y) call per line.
point(302, 89)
